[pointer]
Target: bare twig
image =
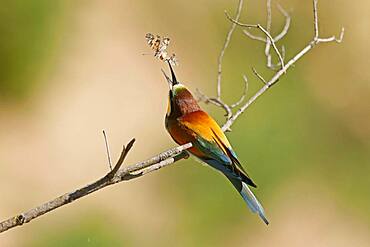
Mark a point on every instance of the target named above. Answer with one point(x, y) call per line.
point(118, 174)
point(217, 101)
point(252, 36)
point(275, 78)
point(226, 44)
point(267, 40)
point(268, 30)
point(244, 94)
point(268, 35)
point(315, 20)
point(285, 29)
point(317, 39)
point(107, 149)
point(259, 76)
point(269, 16)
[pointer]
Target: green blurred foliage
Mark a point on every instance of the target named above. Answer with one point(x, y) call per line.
point(93, 230)
point(28, 33)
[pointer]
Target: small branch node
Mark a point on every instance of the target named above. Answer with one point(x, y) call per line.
point(122, 157)
point(19, 219)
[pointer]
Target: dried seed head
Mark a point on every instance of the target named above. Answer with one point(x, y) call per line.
point(160, 46)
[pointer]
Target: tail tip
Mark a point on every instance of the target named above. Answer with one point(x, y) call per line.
point(264, 219)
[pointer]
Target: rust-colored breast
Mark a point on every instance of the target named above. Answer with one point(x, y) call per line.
point(182, 136)
point(185, 102)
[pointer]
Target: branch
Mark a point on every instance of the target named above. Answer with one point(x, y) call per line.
point(116, 175)
point(278, 37)
point(107, 149)
point(268, 35)
point(166, 158)
point(231, 117)
point(217, 101)
point(275, 78)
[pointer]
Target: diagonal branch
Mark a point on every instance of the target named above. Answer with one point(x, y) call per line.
point(275, 78)
point(116, 175)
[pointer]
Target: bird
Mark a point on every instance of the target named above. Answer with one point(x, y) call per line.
point(186, 122)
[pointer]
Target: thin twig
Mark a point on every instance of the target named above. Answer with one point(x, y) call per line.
point(107, 149)
point(122, 157)
point(226, 44)
point(264, 31)
point(285, 29)
point(283, 32)
point(315, 20)
point(269, 16)
point(275, 39)
point(252, 36)
point(316, 40)
point(216, 102)
point(268, 30)
point(244, 94)
point(259, 76)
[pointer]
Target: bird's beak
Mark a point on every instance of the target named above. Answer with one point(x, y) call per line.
point(172, 82)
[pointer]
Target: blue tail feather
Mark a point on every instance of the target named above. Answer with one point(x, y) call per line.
point(252, 202)
point(241, 186)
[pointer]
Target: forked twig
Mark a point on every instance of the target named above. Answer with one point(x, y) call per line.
point(275, 78)
point(116, 175)
point(268, 35)
point(278, 37)
point(217, 101)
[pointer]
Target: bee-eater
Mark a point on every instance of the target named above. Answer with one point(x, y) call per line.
point(187, 123)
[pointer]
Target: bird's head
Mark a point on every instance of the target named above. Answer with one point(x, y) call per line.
point(180, 100)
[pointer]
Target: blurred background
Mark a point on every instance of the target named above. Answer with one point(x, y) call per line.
point(69, 69)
